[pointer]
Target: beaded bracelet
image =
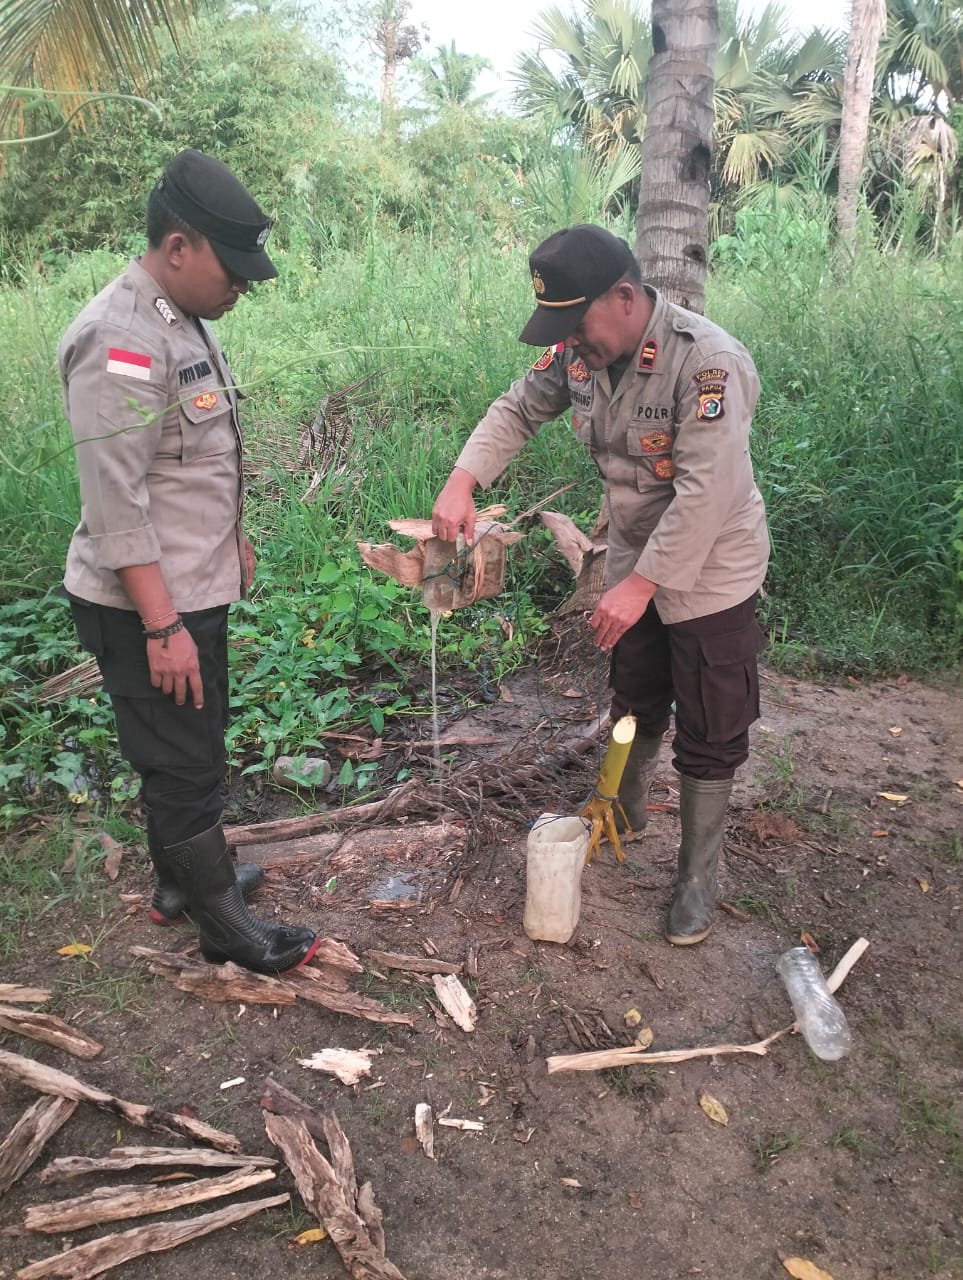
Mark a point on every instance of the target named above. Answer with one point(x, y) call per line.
point(166, 632)
point(149, 622)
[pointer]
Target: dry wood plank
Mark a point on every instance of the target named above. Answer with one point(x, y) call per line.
point(333, 1204)
point(348, 1002)
point(100, 1255)
point(121, 1158)
point(49, 1030)
point(14, 993)
point(223, 982)
point(412, 964)
point(112, 1204)
point(29, 1136)
point(48, 1080)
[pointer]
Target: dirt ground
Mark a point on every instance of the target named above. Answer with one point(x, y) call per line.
point(856, 1165)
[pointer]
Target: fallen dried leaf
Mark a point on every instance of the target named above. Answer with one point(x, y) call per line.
point(713, 1108)
point(879, 833)
point(644, 1038)
point(506, 693)
point(809, 941)
point(803, 1269)
point(924, 885)
point(311, 1236)
point(525, 1137)
point(631, 1017)
point(572, 693)
point(893, 796)
point(74, 949)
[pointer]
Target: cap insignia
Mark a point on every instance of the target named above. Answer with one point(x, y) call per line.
point(262, 237)
point(538, 282)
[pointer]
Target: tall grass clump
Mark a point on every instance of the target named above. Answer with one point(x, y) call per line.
point(857, 443)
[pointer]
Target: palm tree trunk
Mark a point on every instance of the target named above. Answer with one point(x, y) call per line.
point(867, 20)
point(672, 227)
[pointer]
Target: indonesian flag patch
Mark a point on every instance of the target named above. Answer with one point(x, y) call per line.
point(131, 364)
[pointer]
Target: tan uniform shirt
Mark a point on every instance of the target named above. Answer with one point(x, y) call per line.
point(151, 404)
point(671, 442)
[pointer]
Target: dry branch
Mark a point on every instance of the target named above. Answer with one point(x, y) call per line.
point(412, 964)
point(49, 1030)
point(122, 1158)
point(214, 981)
point(334, 1203)
point(29, 1136)
point(97, 1256)
point(409, 798)
point(609, 1058)
point(14, 993)
point(48, 1080)
point(111, 1204)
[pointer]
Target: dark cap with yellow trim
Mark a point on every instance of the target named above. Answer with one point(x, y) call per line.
point(211, 199)
point(570, 270)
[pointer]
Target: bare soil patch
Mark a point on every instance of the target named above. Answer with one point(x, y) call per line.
point(856, 1165)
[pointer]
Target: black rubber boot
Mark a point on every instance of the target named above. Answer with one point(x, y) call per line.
point(168, 904)
point(636, 782)
point(702, 810)
point(204, 872)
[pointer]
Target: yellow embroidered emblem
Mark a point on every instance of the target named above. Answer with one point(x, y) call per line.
point(206, 400)
point(664, 468)
point(539, 283)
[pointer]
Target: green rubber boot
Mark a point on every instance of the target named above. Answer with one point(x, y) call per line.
point(635, 784)
point(702, 809)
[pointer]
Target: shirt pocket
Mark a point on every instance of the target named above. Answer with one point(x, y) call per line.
point(650, 447)
point(207, 427)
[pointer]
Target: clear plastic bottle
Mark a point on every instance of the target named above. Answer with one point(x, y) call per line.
point(821, 1021)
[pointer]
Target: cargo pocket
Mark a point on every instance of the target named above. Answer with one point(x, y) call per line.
point(729, 680)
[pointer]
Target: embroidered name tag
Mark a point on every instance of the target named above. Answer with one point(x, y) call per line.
point(191, 372)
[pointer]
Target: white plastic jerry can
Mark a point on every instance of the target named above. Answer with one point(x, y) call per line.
point(553, 893)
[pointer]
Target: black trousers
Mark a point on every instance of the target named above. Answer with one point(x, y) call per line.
point(708, 667)
point(178, 751)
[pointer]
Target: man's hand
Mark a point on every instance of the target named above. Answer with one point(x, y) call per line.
point(454, 509)
point(174, 667)
point(620, 608)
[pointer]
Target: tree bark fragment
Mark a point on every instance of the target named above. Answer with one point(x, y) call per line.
point(122, 1158)
point(29, 1136)
point(48, 1080)
point(49, 1030)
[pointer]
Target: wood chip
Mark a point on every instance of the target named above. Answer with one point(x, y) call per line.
point(100, 1255)
point(349, 1065)
point(14, 993)
point(470, 1126)
point(29, 1136)
point(48, 1080)
point(455, 1000)
point(424, 1130)
point(111, 1204)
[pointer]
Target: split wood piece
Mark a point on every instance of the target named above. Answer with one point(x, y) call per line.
point(424, 1130)
point(100, 1255)
point(121, 1158)
point(455, 1000)
point(282, 1102)
point(467, 1126)
point(49, 1030)
point(14, 993)
point(348, 1002)
point(29, 1136)
point(214, 981)
point(49, 1080)
point(609, 1058)
point(112, 1204)
point(337, 955)
point(349, 1065)
point(412, 964)
point(333, 1201)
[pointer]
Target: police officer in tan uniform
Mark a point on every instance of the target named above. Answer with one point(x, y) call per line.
point(663, 399)
point(159, 553)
